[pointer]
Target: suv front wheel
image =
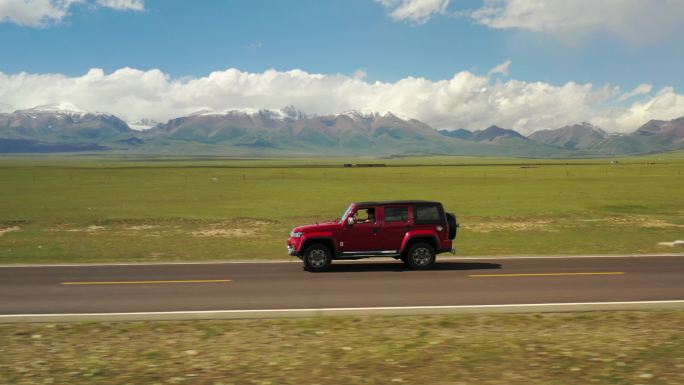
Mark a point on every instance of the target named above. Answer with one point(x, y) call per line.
point(421, 256)
point(317, 257)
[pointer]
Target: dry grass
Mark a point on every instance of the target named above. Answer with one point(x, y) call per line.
point(579, 348)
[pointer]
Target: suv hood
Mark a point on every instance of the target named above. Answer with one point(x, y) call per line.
point(323, 226)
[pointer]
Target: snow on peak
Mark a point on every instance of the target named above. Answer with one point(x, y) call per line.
point(65, 107)
point(286, 113)
point(594, 128)
point(62, 108)
point(371, 114)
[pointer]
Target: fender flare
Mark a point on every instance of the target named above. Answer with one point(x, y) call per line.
point(409, 236)
point(325, 236)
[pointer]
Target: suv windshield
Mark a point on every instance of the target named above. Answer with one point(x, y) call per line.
point(346, 212)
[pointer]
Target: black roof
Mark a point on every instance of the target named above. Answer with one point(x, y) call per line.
point(404, 202)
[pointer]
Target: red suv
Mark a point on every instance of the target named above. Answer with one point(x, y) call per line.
point(413, 231)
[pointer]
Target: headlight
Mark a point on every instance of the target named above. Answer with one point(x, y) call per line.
point(296, 234)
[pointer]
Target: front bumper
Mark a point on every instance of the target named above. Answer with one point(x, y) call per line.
point(294, 246)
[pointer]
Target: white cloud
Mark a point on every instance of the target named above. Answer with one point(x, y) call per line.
point(41, 13)
point(501, 69)
point(418, 11)
point(34, 13)
point(639, 21)
point(665, 105)
point(464, 100)
point(123, 5)
point(641, 89)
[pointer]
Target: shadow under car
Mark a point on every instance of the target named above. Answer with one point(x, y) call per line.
point(350, 266)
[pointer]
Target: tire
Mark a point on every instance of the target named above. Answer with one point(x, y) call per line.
point(421, 256)
point(317, 257)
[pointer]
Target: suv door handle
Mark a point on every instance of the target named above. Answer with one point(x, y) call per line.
point(376, 229)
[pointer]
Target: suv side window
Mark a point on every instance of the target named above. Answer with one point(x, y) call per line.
point(365, 215)
point(396, 214)
point(428, 214)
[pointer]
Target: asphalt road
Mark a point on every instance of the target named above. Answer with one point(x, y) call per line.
point(381, 283)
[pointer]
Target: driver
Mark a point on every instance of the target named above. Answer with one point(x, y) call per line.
point(370, 219)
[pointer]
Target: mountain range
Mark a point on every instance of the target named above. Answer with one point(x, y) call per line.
point(288, 131)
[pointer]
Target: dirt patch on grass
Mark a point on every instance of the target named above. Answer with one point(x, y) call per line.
point(132, 230)
point(230, 228)
point(141, 227)
point(89, 229)
point(521, 224)
point(218, 232)
point(678, 243)
point(237, 228)
point(6, 230)
point(511, 226)
point(633, 220)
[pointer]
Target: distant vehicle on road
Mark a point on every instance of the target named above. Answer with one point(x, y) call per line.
point(413, 231)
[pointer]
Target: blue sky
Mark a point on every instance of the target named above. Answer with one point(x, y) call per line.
point(385, 40)
point(194, 38)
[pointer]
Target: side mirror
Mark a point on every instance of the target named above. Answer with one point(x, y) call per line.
point(351, 221)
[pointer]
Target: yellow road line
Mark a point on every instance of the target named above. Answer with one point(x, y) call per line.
point(147, 282)
point(546, 274)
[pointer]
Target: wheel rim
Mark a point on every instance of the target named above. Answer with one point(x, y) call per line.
point(421, 256)
point(317, 258)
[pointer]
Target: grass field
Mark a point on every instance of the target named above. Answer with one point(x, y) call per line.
point(118, 208)
point(580, 348)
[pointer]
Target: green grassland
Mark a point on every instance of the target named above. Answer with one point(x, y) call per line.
point(571, 348)
point(84, 208)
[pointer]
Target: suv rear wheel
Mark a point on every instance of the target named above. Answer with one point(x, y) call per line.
point(421, 256)
point(317, 257)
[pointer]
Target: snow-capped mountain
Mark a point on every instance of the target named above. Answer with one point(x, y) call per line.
point(61, 122)
point(575, 137)
point(672, 130)
point(66, 127)
point(289, 126)
point(61, 109)
point(286, 113)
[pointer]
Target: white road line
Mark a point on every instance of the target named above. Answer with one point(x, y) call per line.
point(439, 258)
point(388, 310)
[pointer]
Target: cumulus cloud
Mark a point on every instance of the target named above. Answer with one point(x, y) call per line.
point(418, 11)
point(637, 21)
point(665, 105)
point(41, 13)
point(33, 13)
point(464, 100)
